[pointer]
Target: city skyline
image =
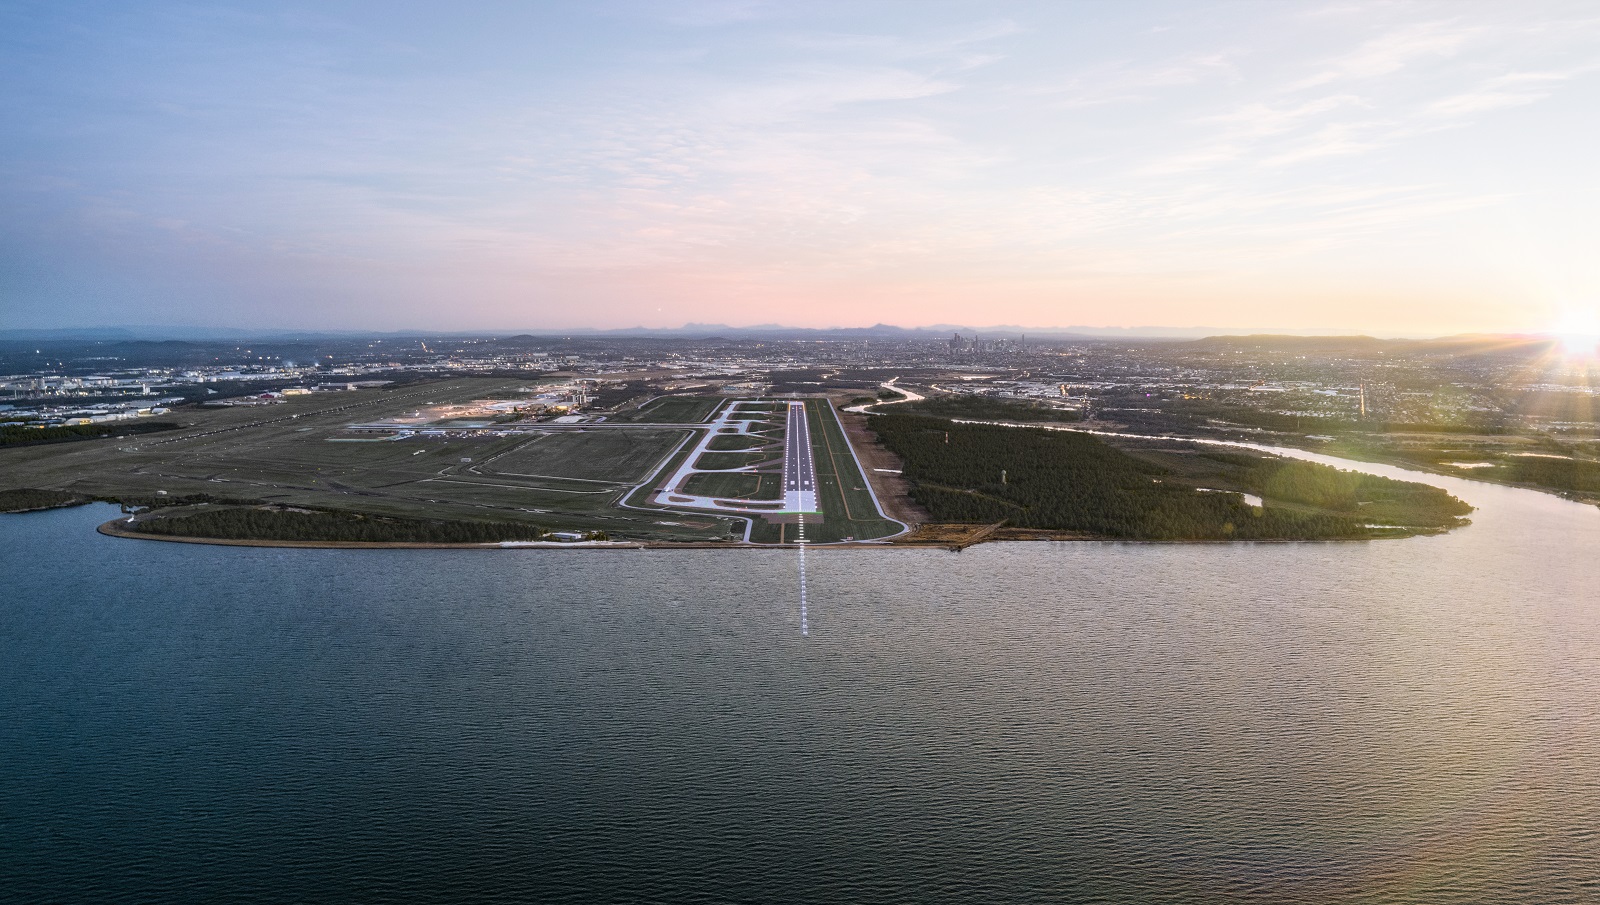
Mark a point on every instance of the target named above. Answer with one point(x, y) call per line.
point(1395, 169)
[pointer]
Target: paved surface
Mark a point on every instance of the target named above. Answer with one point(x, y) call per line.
point(501, 430)
point(799, 468)
point(675, 497)
point(799, 472)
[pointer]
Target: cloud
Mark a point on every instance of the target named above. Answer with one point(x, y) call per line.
point(1384, 91)
point(1262, 119)
point(1242, 134)
point(1393, 51)
point(755, 151)
point(1512, 90)
point(1129, 82)
point(1336, 140)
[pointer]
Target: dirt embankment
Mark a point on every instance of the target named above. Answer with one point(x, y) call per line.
point(894, 493)
point(958, 536)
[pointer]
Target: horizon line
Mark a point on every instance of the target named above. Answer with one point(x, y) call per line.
point(1151, 331)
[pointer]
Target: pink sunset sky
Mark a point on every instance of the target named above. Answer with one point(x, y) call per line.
point(1392, 168)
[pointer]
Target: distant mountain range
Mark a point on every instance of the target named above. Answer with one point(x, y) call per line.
point(1461, 344)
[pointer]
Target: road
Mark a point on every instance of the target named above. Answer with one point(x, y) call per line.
point(799, 472)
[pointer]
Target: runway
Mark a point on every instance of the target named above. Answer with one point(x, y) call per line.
point(799, 473)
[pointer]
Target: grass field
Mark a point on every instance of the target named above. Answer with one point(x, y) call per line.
point(842, 494)
point(739, 442)
point(736, 485)
point(294, 452)
point(765, 532)
point(723, 460)
point(299, 452)
point(846, 503)
point(612, 455)
point(674, 410)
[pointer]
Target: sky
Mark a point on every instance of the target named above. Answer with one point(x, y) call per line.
point(1388, 168)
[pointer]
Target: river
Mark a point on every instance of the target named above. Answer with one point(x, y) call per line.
point(1392, 721)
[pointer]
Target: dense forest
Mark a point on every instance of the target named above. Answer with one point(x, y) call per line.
point(1376, 499)
point(331, 525)
point(987, 408)
point(22, 499)
point(1134, 410)
point(1569, 475)
point(1058, 480)
point(1549, 464)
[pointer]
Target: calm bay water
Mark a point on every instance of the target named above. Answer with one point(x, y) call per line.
point(1400, 721)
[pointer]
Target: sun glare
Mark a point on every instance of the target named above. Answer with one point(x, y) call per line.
point(1578, 332)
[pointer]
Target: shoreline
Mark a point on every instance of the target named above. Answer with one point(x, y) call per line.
point(72, 505)
point(114, 528)
point(1303, 443)
point(1445, 472)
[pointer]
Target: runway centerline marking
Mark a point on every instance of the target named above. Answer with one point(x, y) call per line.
point(799, 469)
